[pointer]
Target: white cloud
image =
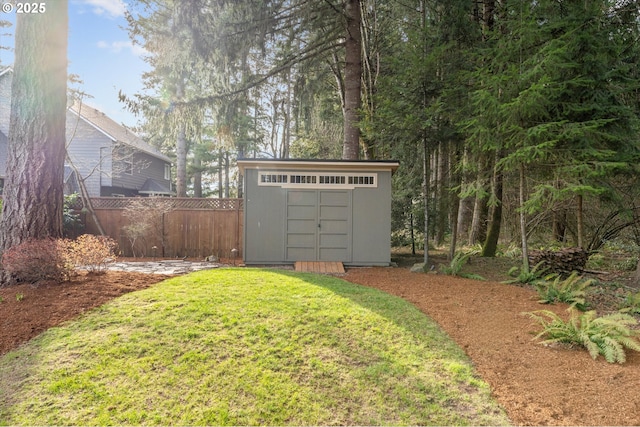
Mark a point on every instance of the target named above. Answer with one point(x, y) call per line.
point(113, 8)
point(119, 46)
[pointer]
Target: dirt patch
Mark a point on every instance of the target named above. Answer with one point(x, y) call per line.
point(536, 385)
point(28, 310)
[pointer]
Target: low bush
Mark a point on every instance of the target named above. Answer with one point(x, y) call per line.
point(572, 290)
point(37, 260)
point(608, 335)
point(90, 252)
point(457, 263)
point(530, 277)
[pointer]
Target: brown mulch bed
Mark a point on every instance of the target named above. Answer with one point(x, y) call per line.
point(536, 385)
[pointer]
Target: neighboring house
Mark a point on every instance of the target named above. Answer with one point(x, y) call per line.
point(111, 160)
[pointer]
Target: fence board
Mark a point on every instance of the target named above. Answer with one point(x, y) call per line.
point(195, 228)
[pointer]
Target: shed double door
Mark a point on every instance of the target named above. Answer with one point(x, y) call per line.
point(318, 225)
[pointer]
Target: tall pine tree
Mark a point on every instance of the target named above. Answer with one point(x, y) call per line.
point(33, 191)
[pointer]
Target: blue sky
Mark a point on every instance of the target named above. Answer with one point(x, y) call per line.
point(100, 53)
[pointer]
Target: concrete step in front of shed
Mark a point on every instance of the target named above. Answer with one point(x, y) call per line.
point(332, 267)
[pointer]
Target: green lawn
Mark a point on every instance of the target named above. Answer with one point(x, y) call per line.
point(246, 347)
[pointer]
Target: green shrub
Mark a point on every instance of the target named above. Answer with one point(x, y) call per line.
point(37, 260)
point(530, 277)
point(608, 335)
point(572, 290)
point(457, 263)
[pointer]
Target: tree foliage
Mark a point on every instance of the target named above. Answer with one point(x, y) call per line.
point(504, 115)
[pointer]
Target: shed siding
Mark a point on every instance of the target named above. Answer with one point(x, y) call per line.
point(367, 240)
point(264, 222)
point(372, 223)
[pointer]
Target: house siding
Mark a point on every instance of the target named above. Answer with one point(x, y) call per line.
point(145, 166)
point(86, 148)
point(91, 150)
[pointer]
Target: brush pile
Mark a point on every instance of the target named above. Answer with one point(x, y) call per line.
point(562, 262)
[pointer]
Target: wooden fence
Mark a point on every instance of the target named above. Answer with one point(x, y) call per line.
point(191, 227)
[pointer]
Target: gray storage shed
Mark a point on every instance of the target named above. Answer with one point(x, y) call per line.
point(317, 210)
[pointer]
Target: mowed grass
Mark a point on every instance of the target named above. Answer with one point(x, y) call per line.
point(246, 347)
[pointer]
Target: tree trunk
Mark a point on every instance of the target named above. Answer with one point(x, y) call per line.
point(33, 191)
point(352, 83)
point(523, 224)
point(490, 246)
point(220, 180)
point(226, 174)
point(425, 192)
point(454, 203)
point(579, 221)
point(478, 222)
point(442, 193)
point(181, 149)
point(197, 176)
point(559, 227)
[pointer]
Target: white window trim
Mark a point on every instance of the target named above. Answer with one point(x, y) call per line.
point(315, 179)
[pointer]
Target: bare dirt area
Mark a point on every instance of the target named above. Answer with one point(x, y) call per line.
point(536, 385)
point(27, 310)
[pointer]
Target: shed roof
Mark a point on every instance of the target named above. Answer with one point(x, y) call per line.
point(312, 164)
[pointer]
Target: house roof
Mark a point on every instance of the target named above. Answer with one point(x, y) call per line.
point(116, 132)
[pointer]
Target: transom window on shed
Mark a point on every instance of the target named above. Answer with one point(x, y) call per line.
point(317, 179)
point(272, 178)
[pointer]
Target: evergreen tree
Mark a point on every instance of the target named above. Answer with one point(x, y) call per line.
point(33, 191)
point(552, 97)
point(241, 45)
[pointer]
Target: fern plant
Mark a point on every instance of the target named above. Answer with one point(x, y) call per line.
point(530, 277)
point(608, 335)
point(457, 263)
point(572, 290)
